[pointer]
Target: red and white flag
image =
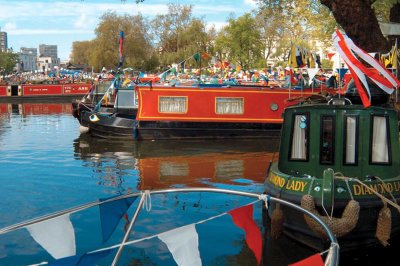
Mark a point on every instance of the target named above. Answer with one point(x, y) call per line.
point(243, 218)
point(378, 73)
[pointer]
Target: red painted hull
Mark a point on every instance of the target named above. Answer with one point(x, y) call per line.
point(43, 90)
point(261, 105)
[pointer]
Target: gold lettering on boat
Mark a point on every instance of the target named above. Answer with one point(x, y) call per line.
point(294, 185)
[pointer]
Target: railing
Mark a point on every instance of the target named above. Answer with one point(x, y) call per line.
point(333, 250)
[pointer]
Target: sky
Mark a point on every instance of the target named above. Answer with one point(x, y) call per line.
point(32, 22)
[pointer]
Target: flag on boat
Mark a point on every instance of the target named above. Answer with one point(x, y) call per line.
point(111, 213)
point(300, 57)
point(183, 243)
point(205, 56)
point(243, 218)
point(121, 43)
point(56, 236)
point(382, 77)
point(314, 260)
point(196, 57)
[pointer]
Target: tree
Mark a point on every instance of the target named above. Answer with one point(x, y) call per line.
point(103, 50)
point(358, 20)
point(8, 60)
point(179, 35)
point(240, 42)
point(300, 22)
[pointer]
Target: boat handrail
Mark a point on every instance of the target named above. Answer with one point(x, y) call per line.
point(333, 251)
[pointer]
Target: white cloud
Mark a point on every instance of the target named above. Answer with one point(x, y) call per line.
point(217, 24)
point(9, 26)
point(250, 3)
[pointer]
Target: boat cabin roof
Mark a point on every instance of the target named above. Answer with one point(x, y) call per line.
point(350, 139)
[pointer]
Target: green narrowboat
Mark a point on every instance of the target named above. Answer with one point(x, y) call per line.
point(342, 162)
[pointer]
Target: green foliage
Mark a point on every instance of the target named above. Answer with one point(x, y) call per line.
point(240, 42)
point(178, 35)
point(103, 50)
point(8, 60)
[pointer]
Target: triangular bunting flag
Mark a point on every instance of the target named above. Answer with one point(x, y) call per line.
point(183, 243)
point(311, 74)
point(111, 213)
point(342, 72)
point(243, 218)
point(56, 236)
point(196, 57)
point(314, 260)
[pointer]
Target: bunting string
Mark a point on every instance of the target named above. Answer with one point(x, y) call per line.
point(153, 236)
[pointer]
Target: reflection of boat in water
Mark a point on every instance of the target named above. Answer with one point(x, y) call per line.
point(196, 163)
point(36, 108)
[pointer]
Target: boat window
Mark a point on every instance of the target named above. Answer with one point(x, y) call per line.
point(229, 105)
point(299, 137)
point(327, 143)
point(380, 140)
point(125, 99)
point(170, 104)
point(351, 140)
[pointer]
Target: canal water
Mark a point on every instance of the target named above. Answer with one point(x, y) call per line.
point(46, 165)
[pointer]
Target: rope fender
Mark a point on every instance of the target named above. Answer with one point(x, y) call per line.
point(339, 226)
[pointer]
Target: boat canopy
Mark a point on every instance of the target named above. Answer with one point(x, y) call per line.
point(350, 139)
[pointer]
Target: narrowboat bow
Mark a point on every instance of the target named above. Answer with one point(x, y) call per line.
point(341, 162)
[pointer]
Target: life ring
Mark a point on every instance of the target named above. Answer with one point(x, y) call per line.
point(339, 226)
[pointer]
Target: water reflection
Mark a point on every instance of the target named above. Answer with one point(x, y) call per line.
point(37, 108)
point(163, 164)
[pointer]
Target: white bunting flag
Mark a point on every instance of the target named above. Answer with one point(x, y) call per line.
point(183, 243)
point(56, 236)
point(311, 74)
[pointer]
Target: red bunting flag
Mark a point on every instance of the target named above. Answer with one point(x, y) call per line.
point(243, 218)
point(314, 260)
point(377, 73)
point(205, 56)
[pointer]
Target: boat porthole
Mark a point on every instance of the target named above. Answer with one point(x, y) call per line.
point(340, 190)
point(317, 188)
point(274, 106)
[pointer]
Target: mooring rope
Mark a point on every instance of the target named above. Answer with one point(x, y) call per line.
point(393, 204)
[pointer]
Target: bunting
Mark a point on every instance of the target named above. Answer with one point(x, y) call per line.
point(196, 57)
point(300, 57)
point(121, 42)
point(243, 218)
point(314, 260)
point(205, 56)
point(382, 77)
point(48, 234)
point(56, 235)
point(111, 214)
point(342, 72)
point(183, 243)
point(311, 74)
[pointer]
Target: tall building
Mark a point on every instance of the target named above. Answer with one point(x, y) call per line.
point(49, 51)
point(3, 41)
point(27, 59)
